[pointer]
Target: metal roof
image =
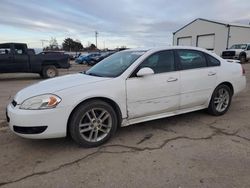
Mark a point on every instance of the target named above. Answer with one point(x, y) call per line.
point(227, 24)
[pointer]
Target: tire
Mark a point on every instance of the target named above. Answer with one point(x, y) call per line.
point(220, 100)
point(49, 71)
point(243, 58)
point(93, 123)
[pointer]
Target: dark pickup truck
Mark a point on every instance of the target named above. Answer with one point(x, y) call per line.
point(16, 57)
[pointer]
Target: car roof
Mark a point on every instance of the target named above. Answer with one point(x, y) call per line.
point(166, 48)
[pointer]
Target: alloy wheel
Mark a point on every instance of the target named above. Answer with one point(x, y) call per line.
point(95, 125)
point(221, 100)
point(51, 73)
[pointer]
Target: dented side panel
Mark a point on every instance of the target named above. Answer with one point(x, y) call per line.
point(152, 94)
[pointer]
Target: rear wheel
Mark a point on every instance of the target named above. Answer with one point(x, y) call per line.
point(243, 58)
point(93, 123)
point(220, 100)
point(49, 71)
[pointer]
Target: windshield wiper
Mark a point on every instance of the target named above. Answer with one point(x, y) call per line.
point(93, 74)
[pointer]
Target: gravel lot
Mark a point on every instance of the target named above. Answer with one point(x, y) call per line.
point(190, 150)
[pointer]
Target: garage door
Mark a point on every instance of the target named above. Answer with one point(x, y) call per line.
point(206, 41)
point(184, 41)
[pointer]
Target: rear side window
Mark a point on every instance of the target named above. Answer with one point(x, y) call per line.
point(19, 49)
point(191, 59)
point(211, 61)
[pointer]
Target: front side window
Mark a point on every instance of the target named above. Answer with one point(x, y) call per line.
point(191, 59)
point(160, 62)
point(248, 48)
point(115, 64)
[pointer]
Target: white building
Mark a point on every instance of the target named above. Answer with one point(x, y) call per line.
point(212, 35)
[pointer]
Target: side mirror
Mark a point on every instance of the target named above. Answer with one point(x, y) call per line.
point(144, 72)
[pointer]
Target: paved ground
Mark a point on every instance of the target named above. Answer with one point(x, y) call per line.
point(190, 150)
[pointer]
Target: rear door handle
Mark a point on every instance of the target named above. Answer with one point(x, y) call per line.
point(172, 79)
point(211, 73)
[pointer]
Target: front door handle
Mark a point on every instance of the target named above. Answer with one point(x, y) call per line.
point(211, 73)
point(172, 79)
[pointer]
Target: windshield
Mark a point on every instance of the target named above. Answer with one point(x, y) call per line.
point(115, 64)
point(239, 46)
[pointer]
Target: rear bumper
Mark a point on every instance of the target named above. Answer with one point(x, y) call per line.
point(239, 85)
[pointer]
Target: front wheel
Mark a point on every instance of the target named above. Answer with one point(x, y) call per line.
point(93, 123)
point(243, 59)
point(220, 100)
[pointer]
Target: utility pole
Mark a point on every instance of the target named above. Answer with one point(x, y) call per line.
point(96, 35)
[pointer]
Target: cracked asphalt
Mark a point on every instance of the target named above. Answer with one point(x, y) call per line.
point(186, 151)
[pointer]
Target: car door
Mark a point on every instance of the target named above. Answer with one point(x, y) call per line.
point(197, 78)
point(21, 58)
point(156, 93)
point(6, 58)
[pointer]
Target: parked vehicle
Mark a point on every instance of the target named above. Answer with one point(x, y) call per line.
point(16, 57)
point(129, 87)
point(97, 59)
point(237, 51)
point(52, 53)
point(86, 58)
point(73, 55)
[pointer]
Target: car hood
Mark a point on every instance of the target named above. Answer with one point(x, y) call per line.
point(56, 84)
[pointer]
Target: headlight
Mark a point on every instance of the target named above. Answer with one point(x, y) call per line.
point(41, 102)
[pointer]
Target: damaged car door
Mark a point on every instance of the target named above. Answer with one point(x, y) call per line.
point(155, 93)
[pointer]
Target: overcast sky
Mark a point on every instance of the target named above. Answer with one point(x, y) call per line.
point(133, 23)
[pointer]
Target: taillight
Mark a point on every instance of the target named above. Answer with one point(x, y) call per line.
point(243, 71)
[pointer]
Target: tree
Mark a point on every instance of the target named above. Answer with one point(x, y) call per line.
point(53, 45)
point(71, 45)
point(92, 47)
point(68, 44)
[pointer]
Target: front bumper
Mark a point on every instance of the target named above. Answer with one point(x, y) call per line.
point(230, 57)
point(50, 123)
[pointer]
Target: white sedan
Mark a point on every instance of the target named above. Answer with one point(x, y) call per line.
point(128, 87)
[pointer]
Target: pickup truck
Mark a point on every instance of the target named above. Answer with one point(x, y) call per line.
point(237, 51)
point(17, 58)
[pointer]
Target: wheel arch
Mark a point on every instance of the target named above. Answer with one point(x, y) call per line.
point(209, 107)
point(111, 102)
point(243, 54)
point(230, 85)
